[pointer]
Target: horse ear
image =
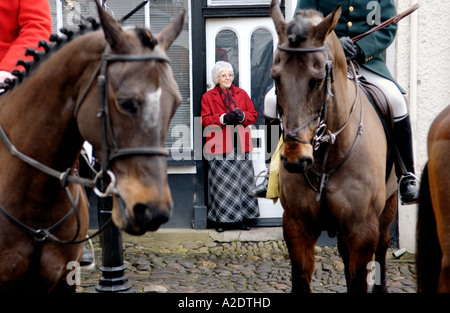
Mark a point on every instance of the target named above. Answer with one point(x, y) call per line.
point(278, 20)
point(171, 32)
point(325, 27)
point(113, 31)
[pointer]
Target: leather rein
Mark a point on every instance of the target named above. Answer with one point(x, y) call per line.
point(110, 153)
point(322, 134)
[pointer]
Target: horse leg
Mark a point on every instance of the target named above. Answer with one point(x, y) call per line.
point(300, 245)
point(385, 220)
point(362, 242)
point(345, 255)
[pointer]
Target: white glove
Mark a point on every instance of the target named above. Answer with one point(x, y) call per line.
point(4, 75)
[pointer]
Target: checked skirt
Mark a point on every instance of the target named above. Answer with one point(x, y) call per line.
point(229, 182)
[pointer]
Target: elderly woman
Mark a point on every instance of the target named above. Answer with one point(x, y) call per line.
point(226, 110)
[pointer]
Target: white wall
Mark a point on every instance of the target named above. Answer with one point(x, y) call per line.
point(423, 70)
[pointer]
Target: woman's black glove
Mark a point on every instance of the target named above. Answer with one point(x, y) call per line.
point(231, 118)
point(352, 51)
point(234, 117)
point(240, 115)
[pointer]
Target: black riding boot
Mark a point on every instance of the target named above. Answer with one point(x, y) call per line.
point(408, 182)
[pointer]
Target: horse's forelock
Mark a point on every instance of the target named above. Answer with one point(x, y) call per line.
point(299, 29)
point(146, 37)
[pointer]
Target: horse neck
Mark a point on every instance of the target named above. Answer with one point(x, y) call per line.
point(38, 114)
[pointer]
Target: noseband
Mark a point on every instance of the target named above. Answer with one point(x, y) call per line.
point(322, 113)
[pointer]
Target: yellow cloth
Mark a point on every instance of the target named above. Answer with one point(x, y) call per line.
point(273, 188)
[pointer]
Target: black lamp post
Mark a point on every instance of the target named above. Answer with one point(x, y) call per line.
point(113, 277)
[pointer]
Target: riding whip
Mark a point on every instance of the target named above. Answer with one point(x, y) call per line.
point(392, 20)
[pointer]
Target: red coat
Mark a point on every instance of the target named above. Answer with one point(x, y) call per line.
point(22, 24)
point(218, 136)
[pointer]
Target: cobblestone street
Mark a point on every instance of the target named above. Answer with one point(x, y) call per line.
point(185, 265)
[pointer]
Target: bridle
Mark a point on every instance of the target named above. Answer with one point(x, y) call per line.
point(322, 113)
point(322, 134)
point(110, 152)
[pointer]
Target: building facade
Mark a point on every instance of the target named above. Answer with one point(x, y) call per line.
point(243, 34)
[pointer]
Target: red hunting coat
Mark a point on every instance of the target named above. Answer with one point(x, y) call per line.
point(22, 24)
point(218, 136)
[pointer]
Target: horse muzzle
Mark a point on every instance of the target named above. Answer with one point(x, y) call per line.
point(142, 217)
point(299, 167)
point(297, 157)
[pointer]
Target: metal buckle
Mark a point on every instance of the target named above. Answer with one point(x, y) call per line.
point(111, 189)
point(318, 135)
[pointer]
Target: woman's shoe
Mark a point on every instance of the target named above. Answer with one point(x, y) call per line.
point(245, 226)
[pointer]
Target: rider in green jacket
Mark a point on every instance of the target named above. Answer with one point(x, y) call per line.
point(356, 18)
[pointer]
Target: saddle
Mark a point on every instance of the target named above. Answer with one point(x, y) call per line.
point(383, 108)
point(379, 101)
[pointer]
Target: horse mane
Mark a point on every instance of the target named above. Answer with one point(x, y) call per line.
point(55, 43)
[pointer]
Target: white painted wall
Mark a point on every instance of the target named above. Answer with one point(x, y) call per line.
point(423, 70)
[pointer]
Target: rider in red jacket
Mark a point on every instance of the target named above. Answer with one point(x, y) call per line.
point(22, 24)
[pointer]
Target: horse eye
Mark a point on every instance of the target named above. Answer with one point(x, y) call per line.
point(316, 83)
point(129, 105)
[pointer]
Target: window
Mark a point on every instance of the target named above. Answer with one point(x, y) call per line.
point(261, 53)
point(227, 49)
point(157, 14)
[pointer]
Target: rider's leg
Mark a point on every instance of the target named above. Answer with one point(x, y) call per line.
point(409, 189)
point(270, 111)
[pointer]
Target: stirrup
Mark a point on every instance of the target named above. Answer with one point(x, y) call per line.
point(90, 267)
point(263, 173)
point(257, 190)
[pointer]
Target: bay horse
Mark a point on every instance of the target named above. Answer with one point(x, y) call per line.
point(433, 220)
point(334, 155)
point(112, 87)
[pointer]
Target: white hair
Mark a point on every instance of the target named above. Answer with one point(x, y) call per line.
point(218, 68)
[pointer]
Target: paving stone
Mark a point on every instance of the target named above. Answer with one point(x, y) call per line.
point(219, 267)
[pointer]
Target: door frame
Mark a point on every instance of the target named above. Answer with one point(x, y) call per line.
point(199, 13)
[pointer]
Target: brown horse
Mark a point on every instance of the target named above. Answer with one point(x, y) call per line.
point(433, 220)
point(49, 115)
point(334, 140)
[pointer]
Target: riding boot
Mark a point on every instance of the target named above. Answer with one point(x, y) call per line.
point(404, 166)
point(260, 190)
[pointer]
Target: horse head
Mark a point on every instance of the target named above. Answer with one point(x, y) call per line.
point(302, 75)
point(138, 98)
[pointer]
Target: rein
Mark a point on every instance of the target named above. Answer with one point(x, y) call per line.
point(43, 234)
point(321, 133)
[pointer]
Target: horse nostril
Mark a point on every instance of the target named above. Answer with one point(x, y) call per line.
point(150, 214)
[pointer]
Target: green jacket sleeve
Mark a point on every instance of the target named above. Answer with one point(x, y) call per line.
point(377, 42)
